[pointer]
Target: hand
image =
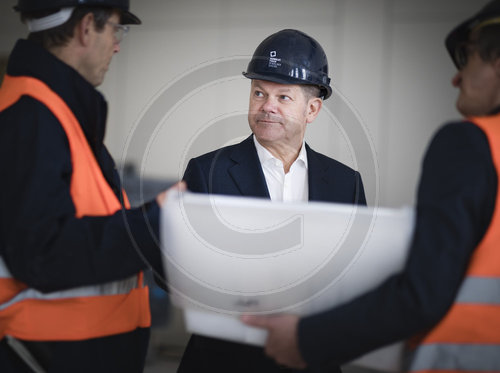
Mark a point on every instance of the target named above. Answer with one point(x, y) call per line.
point(282, 342)
point(162, 197)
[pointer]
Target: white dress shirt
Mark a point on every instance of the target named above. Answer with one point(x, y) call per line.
point(290, 187)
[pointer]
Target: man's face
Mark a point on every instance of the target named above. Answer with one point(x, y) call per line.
point(104, 46)
point(479, 85)
point(278, 113)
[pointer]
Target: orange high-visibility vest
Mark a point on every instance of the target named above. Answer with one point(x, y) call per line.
point(84, 312)
point(467, 339)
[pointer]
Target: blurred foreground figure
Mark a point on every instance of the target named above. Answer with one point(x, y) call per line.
point(72, 252)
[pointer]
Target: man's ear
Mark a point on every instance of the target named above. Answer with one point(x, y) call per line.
point(84, 29)
point(313, 107)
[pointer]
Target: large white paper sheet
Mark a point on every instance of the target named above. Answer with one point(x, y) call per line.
point(225, 256)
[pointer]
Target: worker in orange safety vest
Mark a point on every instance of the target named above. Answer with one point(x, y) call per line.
point(72, 251)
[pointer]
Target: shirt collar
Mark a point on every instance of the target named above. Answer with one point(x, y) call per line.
point(265, 155)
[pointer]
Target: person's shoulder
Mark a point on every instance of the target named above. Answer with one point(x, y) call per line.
point(29, 130)
point(30, 115)
point(459, 140)
point(463, 133)
point(20, 107)
point(459, 128)
point(27, 107)
point(225, 151)
point(326, 161)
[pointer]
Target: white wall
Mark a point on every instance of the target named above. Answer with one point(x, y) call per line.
point(175, 89)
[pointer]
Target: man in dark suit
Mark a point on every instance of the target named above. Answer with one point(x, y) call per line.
point(289, 73)
point(447, 297)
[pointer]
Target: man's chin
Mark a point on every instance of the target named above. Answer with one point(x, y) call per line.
point(463, 109)
point(468, 112)
point(265, 138)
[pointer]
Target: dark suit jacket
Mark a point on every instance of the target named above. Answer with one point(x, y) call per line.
point(236, 170)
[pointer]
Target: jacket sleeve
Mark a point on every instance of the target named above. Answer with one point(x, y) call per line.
point(195, 177)
point(456, 198)
point(42, 243)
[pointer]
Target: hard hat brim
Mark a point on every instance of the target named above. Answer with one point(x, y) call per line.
point(326, 91)
point(457, 36)
point(128, 18)
point(273, 78)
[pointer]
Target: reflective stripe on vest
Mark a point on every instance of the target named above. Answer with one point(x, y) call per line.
point(79, 313)
point(480, 290)
point(469, 357)
point(110, 288)
point(467, 339)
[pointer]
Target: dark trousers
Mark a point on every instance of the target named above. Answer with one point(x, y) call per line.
point(124, 353)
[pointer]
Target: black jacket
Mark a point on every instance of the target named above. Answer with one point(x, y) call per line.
point(41, 242)
point(456, 199)
point(236, 170)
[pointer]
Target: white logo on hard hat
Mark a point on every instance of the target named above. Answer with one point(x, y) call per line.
point(273, 61)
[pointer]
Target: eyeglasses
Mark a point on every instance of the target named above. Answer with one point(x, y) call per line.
point(119, 31)
point(462, 53)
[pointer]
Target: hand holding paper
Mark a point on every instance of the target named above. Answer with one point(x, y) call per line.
point(282, 341)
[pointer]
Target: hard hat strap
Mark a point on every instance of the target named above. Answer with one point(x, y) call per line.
point(50, 21)
point(491, 21)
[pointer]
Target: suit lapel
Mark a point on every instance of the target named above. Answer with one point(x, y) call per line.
point(319, 186)
point(247, 172)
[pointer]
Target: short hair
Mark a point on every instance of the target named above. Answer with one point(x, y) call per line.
point(310, 91)
point(60, 35)
point(487, 40)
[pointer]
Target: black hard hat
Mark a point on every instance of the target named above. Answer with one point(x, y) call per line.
point(37, 5)
point(291, 57)
point(460, 34)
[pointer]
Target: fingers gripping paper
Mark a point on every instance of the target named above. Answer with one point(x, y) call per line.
point(225, 256)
